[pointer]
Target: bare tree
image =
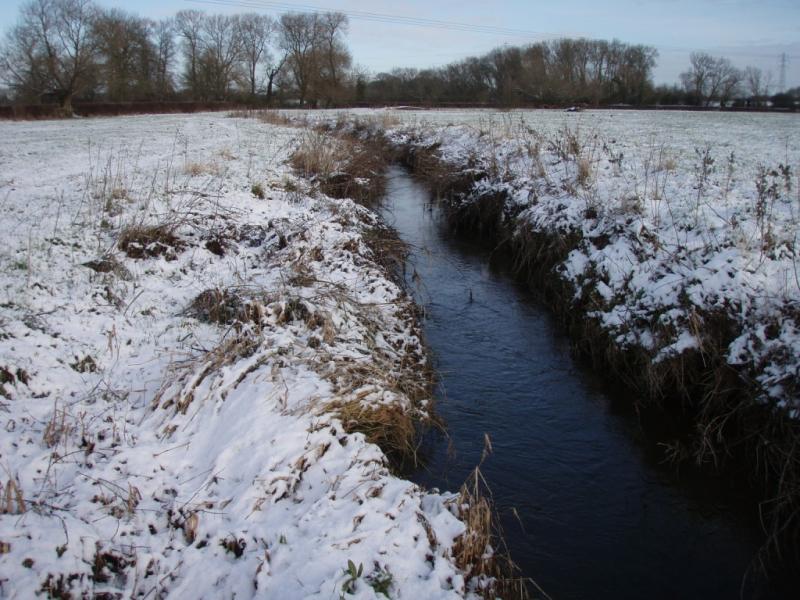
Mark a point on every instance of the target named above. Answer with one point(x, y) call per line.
point(696, 80)
point(52, 50)
point(724, 81)
point(163, 38)
point(711, 78)
point(127, 56)
point(757, 83)
point(272, 71)
point(300, 36)
point(221, 55)
point(256, 30)
point(335, 58)
point(189, 24)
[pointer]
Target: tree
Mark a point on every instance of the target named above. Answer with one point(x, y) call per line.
point(222, 54)
point(52, 50)
point(757, 84)
point(724, 82)
point(256, 31)
point(189, 24)
point(272, 70)
point(695, 80)
point(300, 35)
point(335, 59)
point(711, 79)
point(162, 34)
point(127, 55)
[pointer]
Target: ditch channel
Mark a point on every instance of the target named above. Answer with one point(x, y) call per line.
point(588, 506)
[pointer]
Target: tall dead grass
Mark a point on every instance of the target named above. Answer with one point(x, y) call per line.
point(342, 167)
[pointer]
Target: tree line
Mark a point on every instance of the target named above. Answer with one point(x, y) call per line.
point(555, 72)
point(65, 50)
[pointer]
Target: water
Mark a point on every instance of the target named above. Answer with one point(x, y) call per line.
point(588, 508)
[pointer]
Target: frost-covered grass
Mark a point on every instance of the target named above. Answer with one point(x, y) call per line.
point(186, 332)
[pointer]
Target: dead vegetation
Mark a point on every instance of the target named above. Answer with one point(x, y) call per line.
point(225, 306)
point(108, 264)
point(12, 502)
point(342, 167)
point(148, 241)
point(196, 169)
point(481, 551)
point(266, 115)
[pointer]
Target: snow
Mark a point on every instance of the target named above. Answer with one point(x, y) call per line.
point(157, 454)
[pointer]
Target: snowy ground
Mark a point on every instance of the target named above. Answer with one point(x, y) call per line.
point(679, 217)
point(754, 138)
point(167, 428)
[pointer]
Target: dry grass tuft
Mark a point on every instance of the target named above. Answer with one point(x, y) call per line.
point(216, 306)
point(270, 116)
point(142, 241)
point(473, 550)
point(184, 379)
point(108, 264)
point(11, 500)
point(584, 171)
point(343, 167)
point(195, 169)
point(57, 428)
point(481, 551)
point(388, 250)
point(389, 426)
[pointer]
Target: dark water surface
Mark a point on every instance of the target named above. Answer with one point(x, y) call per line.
point(600, 516)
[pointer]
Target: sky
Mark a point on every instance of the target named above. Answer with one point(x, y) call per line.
point(746, 31)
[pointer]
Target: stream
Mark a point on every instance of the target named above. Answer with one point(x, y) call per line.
point(588, 508)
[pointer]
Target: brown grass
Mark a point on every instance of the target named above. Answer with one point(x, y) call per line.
point(195, 169)
point(481, 551)
point(142, 241)
point(343, 167)
point(225, 306)
point(389, 426)
point(584, 171)
point(12, 501)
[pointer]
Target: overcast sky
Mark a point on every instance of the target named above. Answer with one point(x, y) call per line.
point(748, 32)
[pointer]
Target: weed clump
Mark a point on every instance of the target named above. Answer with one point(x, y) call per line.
point(149, 241)
point(258, 191)
point(343, 167)
point(225, 307)
point(108, 264)
point(389, 426)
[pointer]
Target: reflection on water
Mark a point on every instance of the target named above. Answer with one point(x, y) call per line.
point(599, 516)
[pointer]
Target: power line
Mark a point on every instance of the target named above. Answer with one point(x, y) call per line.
point(387, 18)
point(443, 24)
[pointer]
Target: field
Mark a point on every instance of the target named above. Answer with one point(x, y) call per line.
point(199, 344)
point(196, 349)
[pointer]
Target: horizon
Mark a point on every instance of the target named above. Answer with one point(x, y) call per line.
point(387, 36)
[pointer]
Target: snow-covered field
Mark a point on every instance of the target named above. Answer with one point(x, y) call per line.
point(168, 403)
point(754, 138)
point(676, 218)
